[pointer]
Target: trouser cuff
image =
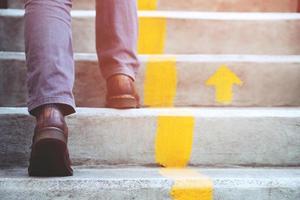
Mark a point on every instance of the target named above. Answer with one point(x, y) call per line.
point(67, 105)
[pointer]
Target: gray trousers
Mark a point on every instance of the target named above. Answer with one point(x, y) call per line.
point(49, 51)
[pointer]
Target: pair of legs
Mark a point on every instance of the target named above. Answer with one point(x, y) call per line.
point(50, 72)
point(49, 51)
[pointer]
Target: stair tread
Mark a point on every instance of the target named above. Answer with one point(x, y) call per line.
point(257, 72)
point(182, 14)
point(115, 172)
point(219, 135)
point(149, 184)
point(197, 111)
point(211, 32)
point(243, 175)
point(11, 55)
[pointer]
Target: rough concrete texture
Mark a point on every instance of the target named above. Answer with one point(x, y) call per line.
point(211, 33)
point(148, 184)
point(231, 5)
point(267, 80)
point(201, 5)
point(222, 136)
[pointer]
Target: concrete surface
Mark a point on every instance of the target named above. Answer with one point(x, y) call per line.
point(211, 32)
point(267, 80)
point(222, 136)
point(149, 184)
point(201, 5)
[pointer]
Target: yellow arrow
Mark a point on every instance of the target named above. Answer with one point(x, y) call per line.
point(223, 80)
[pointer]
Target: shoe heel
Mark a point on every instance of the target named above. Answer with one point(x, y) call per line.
point(50, 133)
point(122, 102)
point(50, 155)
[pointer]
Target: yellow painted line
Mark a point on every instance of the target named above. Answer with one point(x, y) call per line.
point(189, 184)
point(160, 82)
point(174, 140)
point(173, 148)
point(152, 35)
point(147, 4)
point(223, 80)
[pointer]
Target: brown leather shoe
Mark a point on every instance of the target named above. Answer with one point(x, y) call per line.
point(121, 92)
point(49, 152)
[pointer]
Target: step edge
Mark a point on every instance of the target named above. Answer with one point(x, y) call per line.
point(190, 58)
point(222, 16)
point(207, 112)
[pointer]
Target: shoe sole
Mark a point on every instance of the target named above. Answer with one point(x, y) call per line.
point(49, 155)
point(122, 102)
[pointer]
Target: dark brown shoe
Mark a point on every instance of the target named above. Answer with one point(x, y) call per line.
point(121, 92)
point(49, 151)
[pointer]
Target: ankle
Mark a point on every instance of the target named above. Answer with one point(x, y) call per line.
point(50, 115)
point(45, 107)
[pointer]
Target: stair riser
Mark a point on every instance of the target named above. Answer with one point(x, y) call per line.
point(134, 190)
point(87, 190)
point(203, 5)
point(265, 83)
point(131, 184)
point(223, 36)
point(221, 138)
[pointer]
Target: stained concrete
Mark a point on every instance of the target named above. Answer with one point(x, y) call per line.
point(147, 183)
point(210, 32)
point(222, 136)
point(267, 80)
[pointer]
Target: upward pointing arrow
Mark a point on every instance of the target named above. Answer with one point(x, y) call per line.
point(223, 80)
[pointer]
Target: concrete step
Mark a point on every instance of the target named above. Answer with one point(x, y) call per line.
point(266, 80)
point(196, 5)
point(153, 183)
point(203, 136)
point(181, 32)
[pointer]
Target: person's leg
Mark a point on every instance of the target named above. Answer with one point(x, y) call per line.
point(116, 42)
point(49, 54)
point(116, 37)
point(50, 77)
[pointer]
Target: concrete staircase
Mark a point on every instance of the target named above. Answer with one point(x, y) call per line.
point(227, 104)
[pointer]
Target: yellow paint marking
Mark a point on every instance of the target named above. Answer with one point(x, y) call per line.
point(147, 4)
point(223, 80)
point(174, 140)
point(152, 34)
point(160, 82)
point(189, 184)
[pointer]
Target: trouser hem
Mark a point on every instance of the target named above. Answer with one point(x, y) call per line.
point(67, 104)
